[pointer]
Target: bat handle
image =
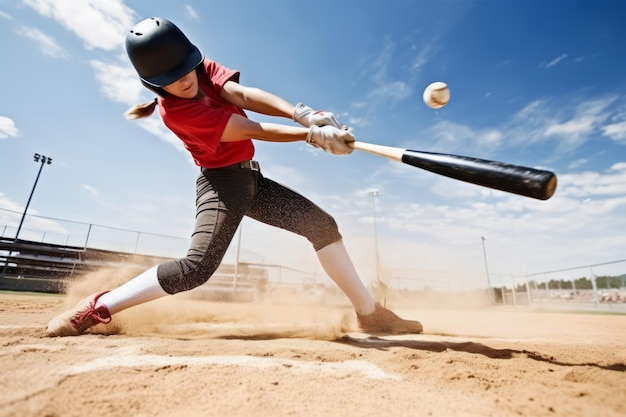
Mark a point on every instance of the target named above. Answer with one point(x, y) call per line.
point(380, 150)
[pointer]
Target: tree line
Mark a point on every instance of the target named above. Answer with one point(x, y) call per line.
point(583, 283)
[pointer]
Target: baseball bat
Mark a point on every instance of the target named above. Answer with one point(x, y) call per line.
point(528, 182)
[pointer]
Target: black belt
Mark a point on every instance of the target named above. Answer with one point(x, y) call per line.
point(251, 165)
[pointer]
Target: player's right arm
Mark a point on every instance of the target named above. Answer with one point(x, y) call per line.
point(329, 138)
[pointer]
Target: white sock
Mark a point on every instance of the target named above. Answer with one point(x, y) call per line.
point(141, 289)
point(337, 264)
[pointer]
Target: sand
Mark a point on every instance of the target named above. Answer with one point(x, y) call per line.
point(186, 357)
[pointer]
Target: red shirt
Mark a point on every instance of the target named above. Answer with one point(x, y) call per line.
point(200, 123)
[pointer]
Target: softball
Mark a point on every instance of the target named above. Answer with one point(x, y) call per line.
point(437, 95)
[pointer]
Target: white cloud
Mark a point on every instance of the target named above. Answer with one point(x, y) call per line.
point(396, 90)
point(34, 226)
point(590, 183)
point(121, 84)
point(425, 54)
point(191, 13)
point(385, 87)
point(572, 131)
point(155, 126)
point(616, 131)
point(517, 222)
point(355, 121)
point(451, 137)
point(556, 60)
point(504, 63)
point(620, 166)
point(90, 189)
point(118, 83)
point(7, 128)
point(587, 117)
point(99, 23)
point(47, 44)
point(577, 163)
point(570, 125)
point(6, 16)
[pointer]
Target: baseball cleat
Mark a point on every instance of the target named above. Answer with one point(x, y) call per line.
point(84, 315)
point(385, 322)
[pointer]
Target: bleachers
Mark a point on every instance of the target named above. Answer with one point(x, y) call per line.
point(44, 267)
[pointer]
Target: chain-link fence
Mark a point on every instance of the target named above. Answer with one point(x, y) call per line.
point(595, 286)
point(89, 235)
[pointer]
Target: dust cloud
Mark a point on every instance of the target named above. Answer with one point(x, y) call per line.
point(190, 315)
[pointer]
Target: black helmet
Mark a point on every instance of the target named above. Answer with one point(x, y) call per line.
point(160, 52)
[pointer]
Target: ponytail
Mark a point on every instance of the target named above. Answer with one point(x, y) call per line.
point(139, 111)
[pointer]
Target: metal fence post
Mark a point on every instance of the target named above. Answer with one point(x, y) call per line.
point(594, 285)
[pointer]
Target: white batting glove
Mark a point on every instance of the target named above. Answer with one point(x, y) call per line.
point(331, 139)
point(308, 117)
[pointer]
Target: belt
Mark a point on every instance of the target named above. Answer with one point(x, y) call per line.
point(251, 165)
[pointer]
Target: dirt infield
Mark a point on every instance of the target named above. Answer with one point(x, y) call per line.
point(182, 357)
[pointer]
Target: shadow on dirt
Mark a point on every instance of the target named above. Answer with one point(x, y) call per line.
point(467, 347)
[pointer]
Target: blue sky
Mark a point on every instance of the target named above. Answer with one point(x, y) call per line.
point(535, 83)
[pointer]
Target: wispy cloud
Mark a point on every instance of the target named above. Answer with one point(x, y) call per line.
point(7, 128)
point(578, 163)
point(586, 118)
point(384, 86)
point(154, 126)
point(570, 124)
point(99, 23)
point(451, 136)
point(504, 63)
point(616, 131)
point(423, 57)
point(191, 13)
point(6, 16)
point(509, 217)
point(47, 45)
point(118, 83)
point(395, 90)
point(10, 216)
point(90, 189)
point(554, 61)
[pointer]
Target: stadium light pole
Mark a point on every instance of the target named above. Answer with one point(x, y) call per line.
point(490, 292)
point(43, 160)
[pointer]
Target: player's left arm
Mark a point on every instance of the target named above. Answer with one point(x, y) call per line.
point(261, 101)
point(256, 100)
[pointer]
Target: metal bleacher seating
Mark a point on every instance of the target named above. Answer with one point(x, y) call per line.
point(44, 267)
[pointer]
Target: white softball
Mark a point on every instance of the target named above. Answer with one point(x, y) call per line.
point(437, 95)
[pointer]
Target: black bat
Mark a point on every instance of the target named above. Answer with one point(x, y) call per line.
point(529, 182)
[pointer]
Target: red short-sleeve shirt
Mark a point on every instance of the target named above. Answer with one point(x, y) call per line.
point(200, 123)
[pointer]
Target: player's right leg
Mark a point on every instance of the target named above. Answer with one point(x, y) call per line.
point(220, 203)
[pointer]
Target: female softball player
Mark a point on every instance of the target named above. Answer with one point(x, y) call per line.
point(203, 103)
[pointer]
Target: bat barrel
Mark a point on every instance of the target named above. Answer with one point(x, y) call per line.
point(529, 182)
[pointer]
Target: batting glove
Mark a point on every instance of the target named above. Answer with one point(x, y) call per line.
point(331, 139)
point(308, 117)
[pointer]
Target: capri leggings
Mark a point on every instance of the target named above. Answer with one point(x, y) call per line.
point(223, 197)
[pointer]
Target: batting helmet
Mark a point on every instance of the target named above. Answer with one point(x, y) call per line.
point(160, 52)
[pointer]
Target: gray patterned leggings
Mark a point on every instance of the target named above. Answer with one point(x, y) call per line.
point(223, 197)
